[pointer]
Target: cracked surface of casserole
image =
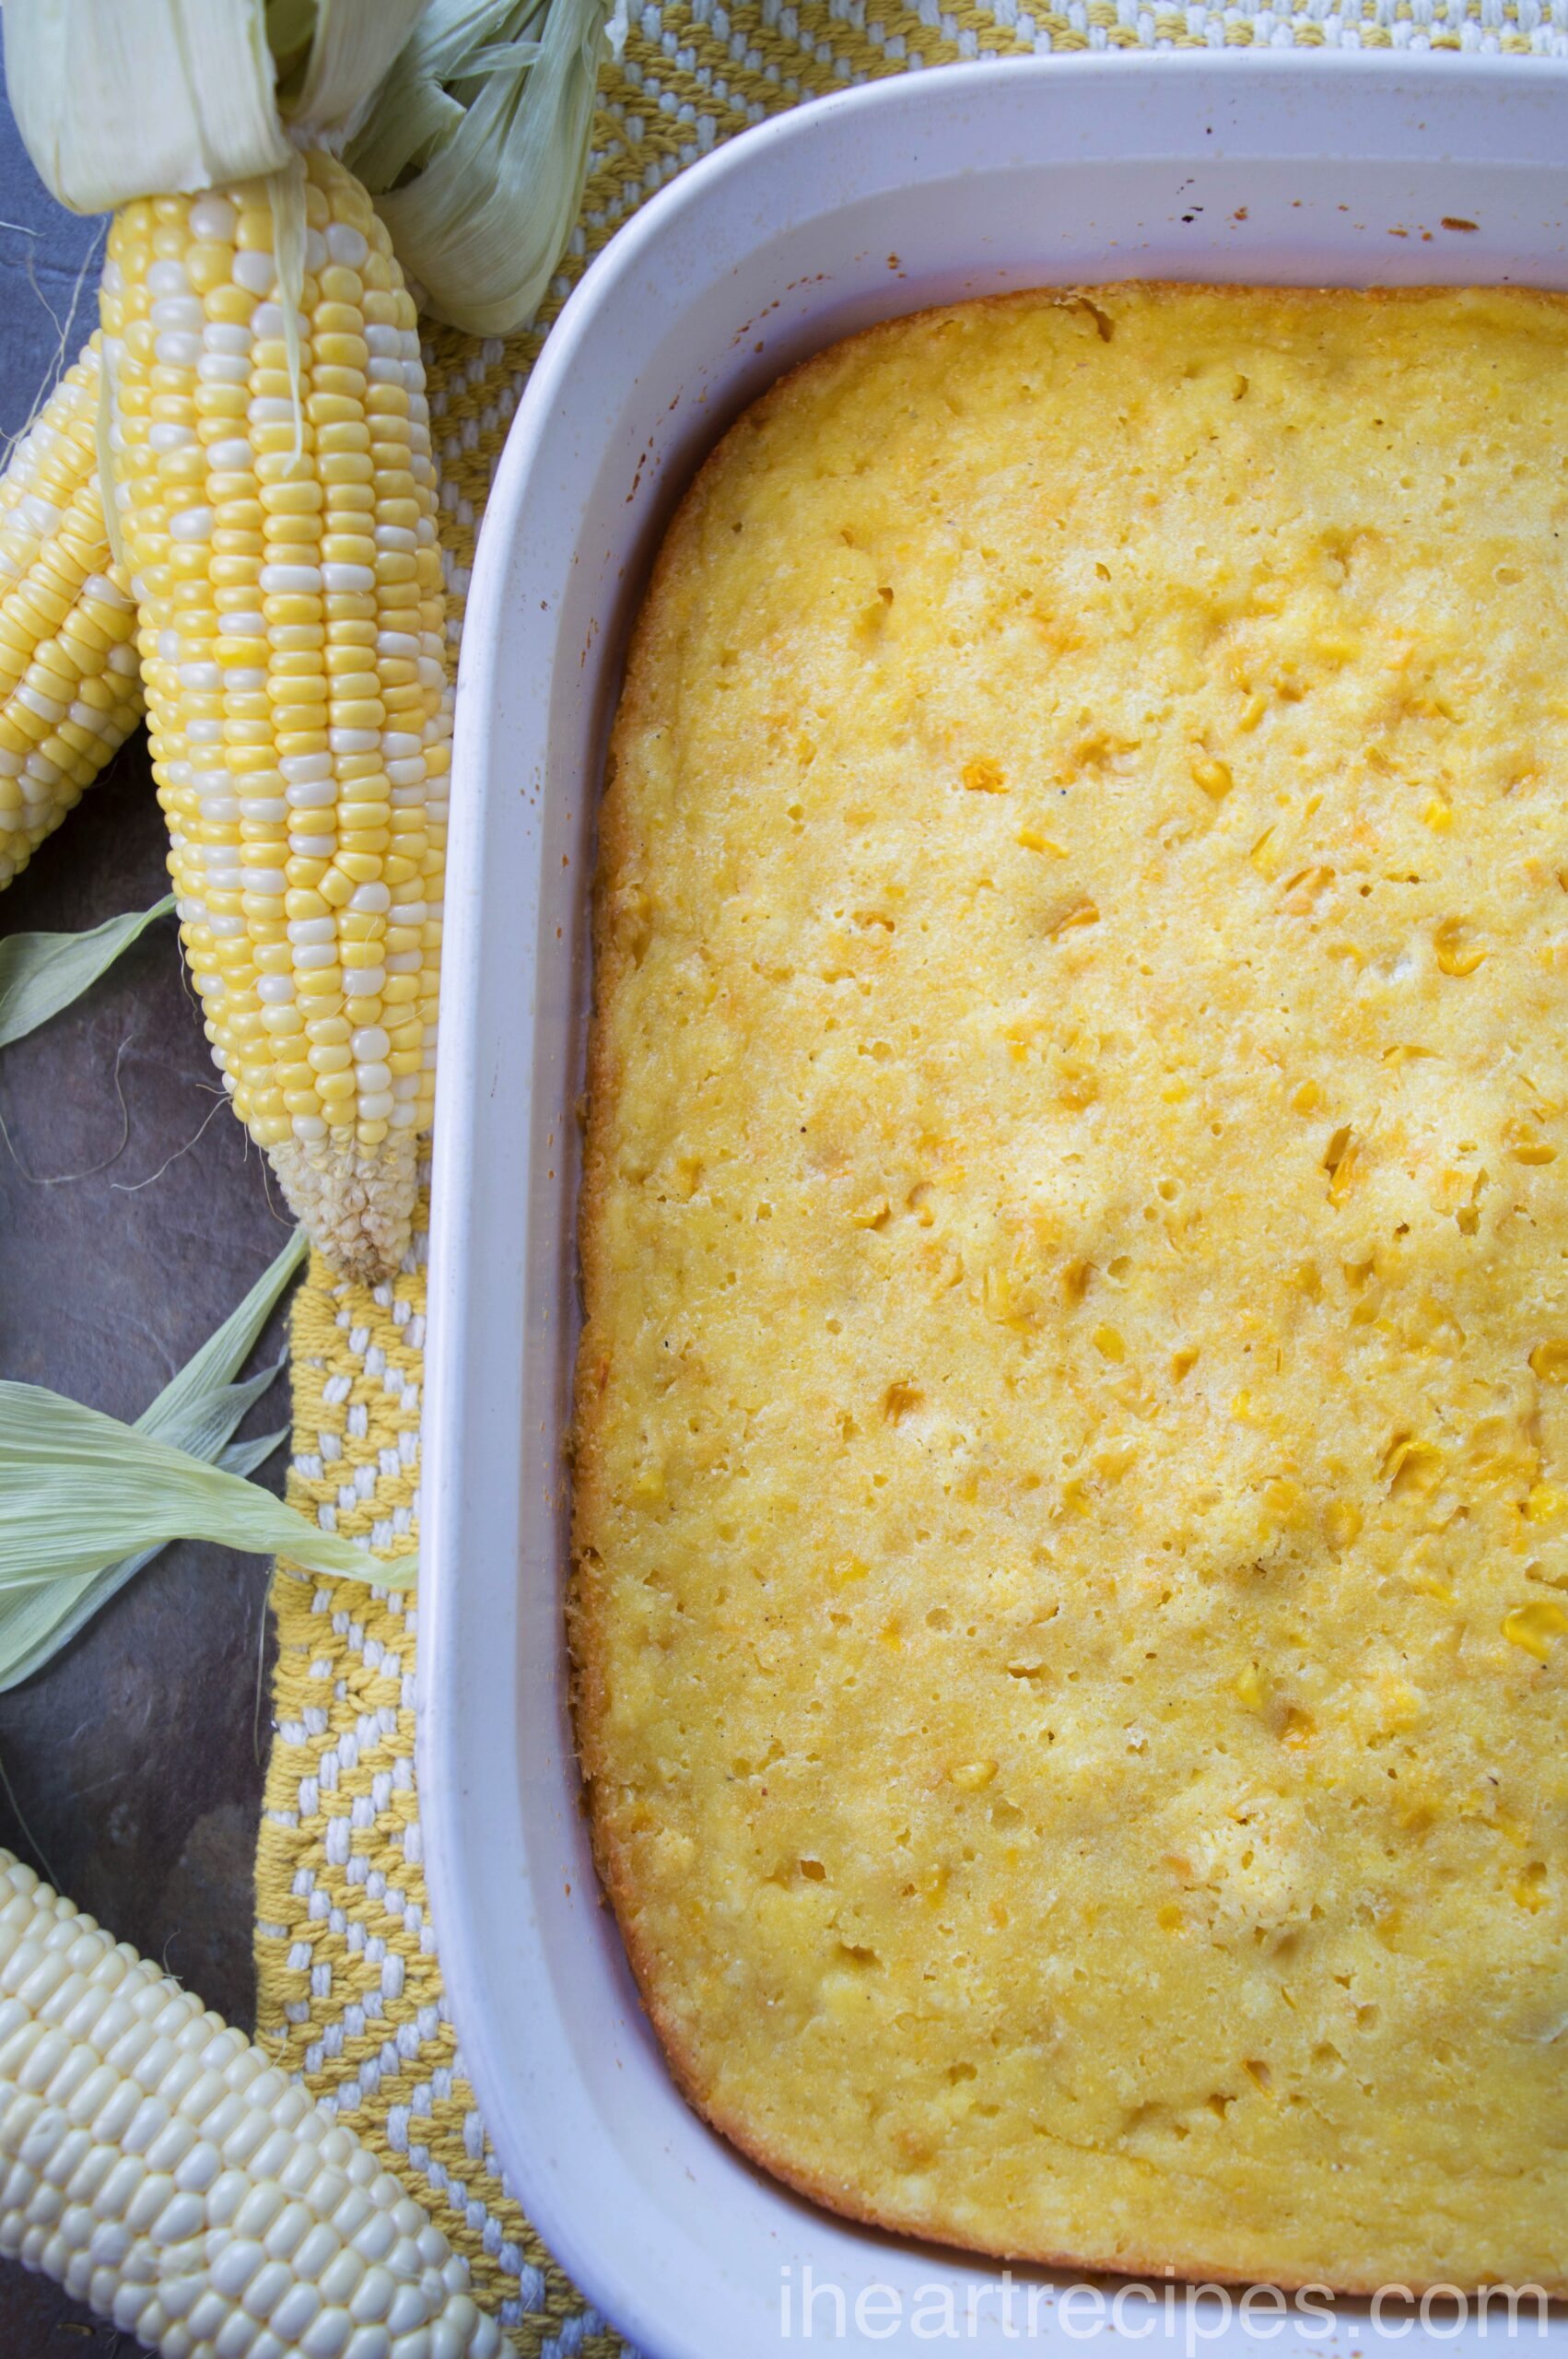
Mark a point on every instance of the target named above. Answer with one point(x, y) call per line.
point(1070, 1614)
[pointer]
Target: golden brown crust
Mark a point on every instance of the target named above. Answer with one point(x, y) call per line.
point(620, 920)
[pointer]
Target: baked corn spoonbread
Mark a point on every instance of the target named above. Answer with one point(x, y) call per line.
point(70, 682)
point(1070, 1611)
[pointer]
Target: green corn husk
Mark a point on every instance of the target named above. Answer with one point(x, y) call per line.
point(85, 1501)
point(475, 150)
point(41, 973)
point(121, 98)
point(467, 120)
point(79, 1484)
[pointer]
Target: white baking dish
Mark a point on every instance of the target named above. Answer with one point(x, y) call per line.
point(1326, 167)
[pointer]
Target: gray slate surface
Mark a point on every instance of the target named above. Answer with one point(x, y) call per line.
point(135, 1760)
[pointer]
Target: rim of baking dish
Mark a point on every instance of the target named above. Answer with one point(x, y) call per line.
point(470, 1922)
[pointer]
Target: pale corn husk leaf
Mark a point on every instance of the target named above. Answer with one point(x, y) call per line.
point(244, 1457)
point(206, 1428)
point(421, 118)
point(121, 98)
point(173, 1416)
point(480, 205)
point(36, 1625)
point(331, 54)
point(414, 111)
point(118, 99)
point(41, 973)
point(80, 1486)
point(197, 1411)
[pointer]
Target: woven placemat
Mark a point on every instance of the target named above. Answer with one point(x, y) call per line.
point(349, 1986)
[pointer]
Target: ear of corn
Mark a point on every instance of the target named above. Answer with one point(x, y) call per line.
point(157, 2165)
point(70, 683)
point(280, 535)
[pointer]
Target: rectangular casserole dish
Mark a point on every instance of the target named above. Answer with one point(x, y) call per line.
point(1326, 167)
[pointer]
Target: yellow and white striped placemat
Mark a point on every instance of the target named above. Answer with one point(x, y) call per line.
point(349, 1986)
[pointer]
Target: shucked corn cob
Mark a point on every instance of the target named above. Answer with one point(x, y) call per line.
point(162, 2170)
point(70, 682)
point(288, 578)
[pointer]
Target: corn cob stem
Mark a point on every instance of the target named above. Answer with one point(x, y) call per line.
point(278, 509)
point(70, 682)
point(157, 2166)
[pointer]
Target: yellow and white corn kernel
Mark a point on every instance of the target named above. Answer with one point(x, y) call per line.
point(292, 645)
point(70, 682)
point(154, 2164)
